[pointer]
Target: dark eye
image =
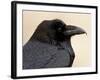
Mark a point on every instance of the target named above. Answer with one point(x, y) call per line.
point(59, 29)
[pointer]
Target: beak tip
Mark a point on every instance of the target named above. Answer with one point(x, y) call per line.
point(82, 31)
point(85, 33)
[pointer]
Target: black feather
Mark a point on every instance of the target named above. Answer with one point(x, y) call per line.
point(50, 45)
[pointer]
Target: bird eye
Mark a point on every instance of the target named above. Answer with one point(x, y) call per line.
point(59, 28)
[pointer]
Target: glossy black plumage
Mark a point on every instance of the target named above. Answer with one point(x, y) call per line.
point(50, 45)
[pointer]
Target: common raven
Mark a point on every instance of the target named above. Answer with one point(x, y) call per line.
point(50, 45)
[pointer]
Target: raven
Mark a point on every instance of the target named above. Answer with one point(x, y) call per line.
point(50, 45)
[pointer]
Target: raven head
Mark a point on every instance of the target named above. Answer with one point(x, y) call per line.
point(55, 30)
point(63, 31)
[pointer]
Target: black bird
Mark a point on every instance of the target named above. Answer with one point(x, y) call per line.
point(50, 45)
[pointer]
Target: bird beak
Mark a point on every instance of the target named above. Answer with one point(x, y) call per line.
point(73, 30)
